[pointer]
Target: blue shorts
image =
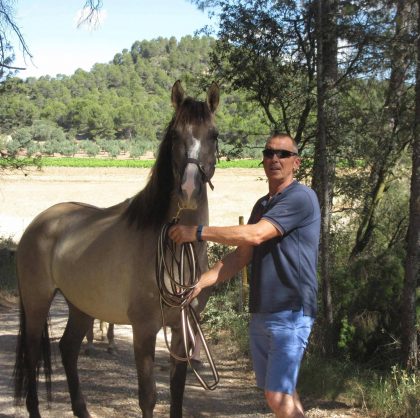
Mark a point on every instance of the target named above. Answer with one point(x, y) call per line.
point(278, 341)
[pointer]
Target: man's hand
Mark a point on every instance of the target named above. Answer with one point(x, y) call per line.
point(183, 233)
point(195, 292)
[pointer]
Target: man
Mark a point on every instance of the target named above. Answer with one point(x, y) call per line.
point(281, 239)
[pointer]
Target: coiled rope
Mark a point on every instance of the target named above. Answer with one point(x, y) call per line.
point(177, 273)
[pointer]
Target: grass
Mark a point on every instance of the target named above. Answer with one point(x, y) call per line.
point(129, 163)
point(388, 394)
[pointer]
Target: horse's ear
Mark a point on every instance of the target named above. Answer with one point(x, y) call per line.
point(178, 94)
point(213, 95)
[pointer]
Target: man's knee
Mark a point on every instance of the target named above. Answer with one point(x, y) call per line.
point(283, 405)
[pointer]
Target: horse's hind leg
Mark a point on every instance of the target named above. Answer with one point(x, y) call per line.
point(33, 342)
point(89, 337)
point(77, 326)
point(112, 348)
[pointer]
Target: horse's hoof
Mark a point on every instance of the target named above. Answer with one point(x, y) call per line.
point(112, 350)
point(90, 351)
point(81, 413)
point(196, 364)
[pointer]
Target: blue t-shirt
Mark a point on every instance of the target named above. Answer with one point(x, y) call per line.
point(284, 269)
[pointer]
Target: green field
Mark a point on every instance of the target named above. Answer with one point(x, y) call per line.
point(128, 163)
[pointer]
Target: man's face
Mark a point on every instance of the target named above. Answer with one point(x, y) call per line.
point(280, 169)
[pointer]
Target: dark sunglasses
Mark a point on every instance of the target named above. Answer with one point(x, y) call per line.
point(280, 153)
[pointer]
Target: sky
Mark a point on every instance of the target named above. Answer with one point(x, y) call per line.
point(57, 46)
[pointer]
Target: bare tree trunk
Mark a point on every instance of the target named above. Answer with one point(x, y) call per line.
point(323, 178)
point(409, 350)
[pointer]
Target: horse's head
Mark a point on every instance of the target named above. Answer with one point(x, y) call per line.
point(185, 162)
point(194, 144)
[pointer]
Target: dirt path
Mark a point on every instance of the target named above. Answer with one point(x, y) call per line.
point(109, 381)
point(110, 385)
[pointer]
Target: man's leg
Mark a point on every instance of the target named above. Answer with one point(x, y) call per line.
point(284, 405)
point(289, 332)
point(298, 404)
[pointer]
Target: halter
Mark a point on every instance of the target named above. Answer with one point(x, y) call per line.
point(177, 294)
point(206, 178)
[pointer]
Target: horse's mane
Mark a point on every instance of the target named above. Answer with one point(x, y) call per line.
point(151, 205)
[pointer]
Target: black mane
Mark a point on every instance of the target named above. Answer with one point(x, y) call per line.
point(151, 205)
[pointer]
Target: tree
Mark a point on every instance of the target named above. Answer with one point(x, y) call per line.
point(412, 265)
point(392, 139)
point(324, 168)
point(8, 28)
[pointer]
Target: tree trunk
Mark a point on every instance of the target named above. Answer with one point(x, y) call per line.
point(323, 177)
point(409, 350)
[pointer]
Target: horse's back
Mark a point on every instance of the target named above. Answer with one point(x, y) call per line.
point(97, 260)
point(36, 247)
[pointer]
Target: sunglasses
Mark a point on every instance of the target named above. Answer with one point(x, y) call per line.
point(280, 153)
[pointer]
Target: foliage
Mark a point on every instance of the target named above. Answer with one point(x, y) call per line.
point(393, 394)
point(396, 395)
point(127, 99)
point(8, 282)
point(90, 148)
point(223, 311)
point(367, 294)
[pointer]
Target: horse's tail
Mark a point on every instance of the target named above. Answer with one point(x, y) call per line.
point(21, 371)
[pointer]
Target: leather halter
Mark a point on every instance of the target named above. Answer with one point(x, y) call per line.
point(206, 178)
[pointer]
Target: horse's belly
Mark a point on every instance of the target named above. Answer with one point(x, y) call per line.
point(104, 300)
point(98, 275)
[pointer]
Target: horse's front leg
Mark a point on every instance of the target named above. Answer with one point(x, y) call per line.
point(144, 353)
point(178, 373)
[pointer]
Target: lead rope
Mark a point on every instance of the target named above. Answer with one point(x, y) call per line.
point(183, 275)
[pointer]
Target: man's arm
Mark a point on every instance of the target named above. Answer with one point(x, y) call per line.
point(225, 269)
point(250, 234)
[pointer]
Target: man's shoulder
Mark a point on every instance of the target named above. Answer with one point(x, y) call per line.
point(300, 195)
point(300, 189)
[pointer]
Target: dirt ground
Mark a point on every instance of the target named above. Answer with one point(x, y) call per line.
point(109, 380)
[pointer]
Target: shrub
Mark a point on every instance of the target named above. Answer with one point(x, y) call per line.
point(368, 309)
point(112, 147)
point(67, 148)
point(8, 282)
point(396, 395)
point(224, 310)
point(90, 148)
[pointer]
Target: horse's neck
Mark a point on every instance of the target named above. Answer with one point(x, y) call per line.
point(188, 216)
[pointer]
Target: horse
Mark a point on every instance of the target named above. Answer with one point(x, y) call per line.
point(103, 260)
point(103, 326)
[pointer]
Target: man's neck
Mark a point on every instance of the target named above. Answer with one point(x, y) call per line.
point(277, 188)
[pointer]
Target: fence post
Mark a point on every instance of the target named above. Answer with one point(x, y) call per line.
point(244, 275)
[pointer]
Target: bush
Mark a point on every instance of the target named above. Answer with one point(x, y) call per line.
point(8, 280)
point(21, 139)
point(112, 147)
point(67, 148)
point(224, 311)
point(396, 395)
point(223, 314)
point(90, 148)
point(368, 309)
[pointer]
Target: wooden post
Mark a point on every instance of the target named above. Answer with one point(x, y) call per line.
point(244, 275)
